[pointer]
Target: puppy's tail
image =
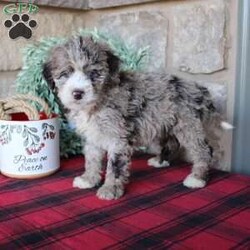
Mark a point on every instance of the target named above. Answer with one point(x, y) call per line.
point(226, 126)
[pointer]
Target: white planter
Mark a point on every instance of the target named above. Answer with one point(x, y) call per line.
point(29, 149)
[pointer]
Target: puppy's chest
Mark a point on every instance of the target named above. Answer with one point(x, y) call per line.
point(83, 123)
point(88, 127)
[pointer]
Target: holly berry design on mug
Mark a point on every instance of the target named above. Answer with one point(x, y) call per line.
point(32, 141)
point(5, 134)
point(48, 131)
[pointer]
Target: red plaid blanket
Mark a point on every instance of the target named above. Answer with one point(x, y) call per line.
point(157, 212)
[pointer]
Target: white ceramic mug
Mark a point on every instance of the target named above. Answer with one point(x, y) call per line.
point(29, 149)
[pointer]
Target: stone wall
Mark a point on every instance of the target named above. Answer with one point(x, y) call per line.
point(194, 39)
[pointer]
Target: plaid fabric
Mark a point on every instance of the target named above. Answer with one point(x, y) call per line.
point(157, 212)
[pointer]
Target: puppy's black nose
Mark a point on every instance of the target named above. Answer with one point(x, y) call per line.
point(78, 94)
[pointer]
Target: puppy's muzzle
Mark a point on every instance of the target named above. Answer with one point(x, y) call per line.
point(78, 94)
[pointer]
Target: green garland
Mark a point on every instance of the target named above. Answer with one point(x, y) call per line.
point(30, 79)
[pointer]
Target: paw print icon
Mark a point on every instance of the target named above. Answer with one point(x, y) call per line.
point(20, 26)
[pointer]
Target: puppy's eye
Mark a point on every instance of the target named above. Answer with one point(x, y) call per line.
point(63, 74)
point(66, 73)
point(93, 74)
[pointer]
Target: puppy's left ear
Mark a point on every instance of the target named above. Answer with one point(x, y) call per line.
point(113, 62)
point(48, 75)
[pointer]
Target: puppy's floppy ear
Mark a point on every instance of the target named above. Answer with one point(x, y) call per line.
point(48, 75)
point(113, 62)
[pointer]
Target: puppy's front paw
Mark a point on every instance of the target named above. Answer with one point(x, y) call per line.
point(83, 182)
point(110, 192)
point(193, 182)
point(154, 162)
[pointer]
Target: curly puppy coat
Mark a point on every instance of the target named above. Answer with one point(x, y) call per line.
point(116, 111)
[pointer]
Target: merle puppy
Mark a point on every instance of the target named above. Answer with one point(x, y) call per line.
point(116, 111)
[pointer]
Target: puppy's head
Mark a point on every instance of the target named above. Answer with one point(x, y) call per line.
point(81, 71)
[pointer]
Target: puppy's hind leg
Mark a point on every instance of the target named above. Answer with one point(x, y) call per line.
point(167, 152)
point(117, 174)
point(157, 161)
point(93, 166)
point(192, 137)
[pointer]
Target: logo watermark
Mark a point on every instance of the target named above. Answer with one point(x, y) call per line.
point(20, 23)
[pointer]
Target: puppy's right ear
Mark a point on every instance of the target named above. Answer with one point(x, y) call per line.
point(48, 75)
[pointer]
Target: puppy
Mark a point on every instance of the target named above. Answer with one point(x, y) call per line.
point(116, 111)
